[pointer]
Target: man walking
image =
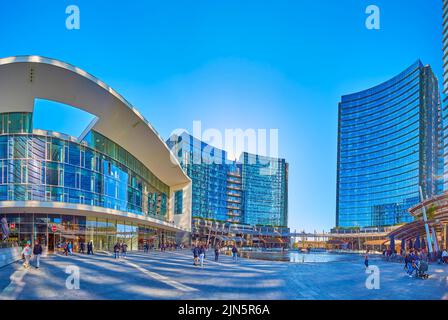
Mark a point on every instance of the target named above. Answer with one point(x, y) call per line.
point(81, 247)
point(235, 253)
point(117, 250)
point(37, 251)
point(216, 252)
point(195, 255)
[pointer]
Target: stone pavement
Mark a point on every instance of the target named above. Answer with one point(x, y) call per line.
point(171, 275)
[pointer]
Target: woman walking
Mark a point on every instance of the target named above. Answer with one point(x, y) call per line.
point(366, 259)
point(26, 252)
point(201, 256)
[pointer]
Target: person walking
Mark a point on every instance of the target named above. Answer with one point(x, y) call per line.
point(234, 253)
point(89, 247)
point(117, 250)
point(201, 256)
point(37, 251)
point(195, 255)
point(26, 253)
point(124, 249)
point(366, 259)
point(65, 246)
point(216, 252)
point(81, 247)
point(70, 248)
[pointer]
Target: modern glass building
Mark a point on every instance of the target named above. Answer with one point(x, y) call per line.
point(235, 195)
point(207, 167)
point(116, 182)
point(389, 144)
point(265, 185)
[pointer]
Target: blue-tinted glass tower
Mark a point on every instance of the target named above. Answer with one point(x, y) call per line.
point(206, 166)
point(389, 144)
point(265, 189)
point(252, 191)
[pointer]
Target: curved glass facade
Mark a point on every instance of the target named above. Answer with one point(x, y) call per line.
point(47, 168)
point(389, 143)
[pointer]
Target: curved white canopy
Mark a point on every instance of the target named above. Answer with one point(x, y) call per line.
point(25, 78)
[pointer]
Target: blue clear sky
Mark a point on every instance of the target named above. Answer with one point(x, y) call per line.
point(237, 64)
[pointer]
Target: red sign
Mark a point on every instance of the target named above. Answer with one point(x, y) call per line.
point(54, 228)
point(12, 226)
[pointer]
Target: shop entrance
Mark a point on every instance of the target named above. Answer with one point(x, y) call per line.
point(53, 242)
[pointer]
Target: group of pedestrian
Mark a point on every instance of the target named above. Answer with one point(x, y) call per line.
point(27, 252)
point(413, 258)
point(199, 251)
point(68, 248)
point(199, 255)
point(120, 248)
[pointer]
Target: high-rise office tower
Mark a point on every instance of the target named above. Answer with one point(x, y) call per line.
point(389, 144)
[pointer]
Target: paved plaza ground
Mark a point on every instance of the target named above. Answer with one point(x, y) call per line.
point(171, 275)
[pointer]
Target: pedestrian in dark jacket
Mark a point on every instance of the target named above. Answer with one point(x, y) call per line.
point(235, 253)
point(195, 255)
point(37, 251)
point(90, 247)
point(217, 252)
point(117, 250)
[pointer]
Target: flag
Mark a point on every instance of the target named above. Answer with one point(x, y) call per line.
point(5, 229)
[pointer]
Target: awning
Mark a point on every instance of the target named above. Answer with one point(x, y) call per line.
point(379, 242)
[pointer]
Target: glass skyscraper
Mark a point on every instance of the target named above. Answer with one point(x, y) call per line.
point(389, 144)
point(252, 191)
point(206, 166)
point(265, 185)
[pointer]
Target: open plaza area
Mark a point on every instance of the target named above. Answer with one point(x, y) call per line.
point(172, 275)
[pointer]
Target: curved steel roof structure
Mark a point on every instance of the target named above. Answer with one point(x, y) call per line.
point(25, 78)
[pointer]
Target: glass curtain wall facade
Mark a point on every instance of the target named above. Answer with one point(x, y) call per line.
point(251, 191)
point(265, 190)
point(389, 143)
point(95, 172)
point(207, 168)
point(46, 168)
point(52, 230)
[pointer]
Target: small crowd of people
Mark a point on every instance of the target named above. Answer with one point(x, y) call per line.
point(120, 248)
point(199, 251)
point(27, 252)
point(416, 261)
